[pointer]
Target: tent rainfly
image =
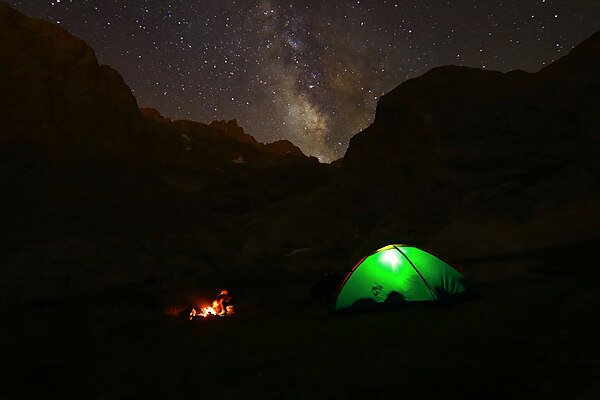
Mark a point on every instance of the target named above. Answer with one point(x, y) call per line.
point(399, 273)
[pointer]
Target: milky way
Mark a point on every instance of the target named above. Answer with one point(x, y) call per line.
point(308, 71)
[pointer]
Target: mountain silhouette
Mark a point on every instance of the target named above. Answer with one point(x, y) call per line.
point(466, 161)
point(518, 152)
point(93, 186)
point(55, 93)
point(99, 193)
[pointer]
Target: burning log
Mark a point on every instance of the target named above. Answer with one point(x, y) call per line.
point(222, 306)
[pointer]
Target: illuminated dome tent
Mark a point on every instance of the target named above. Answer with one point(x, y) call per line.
point(399, 273)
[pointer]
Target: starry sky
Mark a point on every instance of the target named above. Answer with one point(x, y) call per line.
point(308, 71)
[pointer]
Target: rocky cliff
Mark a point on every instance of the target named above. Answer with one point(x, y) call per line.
point(98, 193)
point(494, 149)
point(53, 91)
point(467, 162)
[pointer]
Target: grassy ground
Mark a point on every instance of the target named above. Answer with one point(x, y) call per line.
point(527, 336)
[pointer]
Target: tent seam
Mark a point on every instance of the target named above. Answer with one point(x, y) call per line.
point(431, 292)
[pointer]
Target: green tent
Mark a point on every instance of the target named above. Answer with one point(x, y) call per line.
point(399, 273)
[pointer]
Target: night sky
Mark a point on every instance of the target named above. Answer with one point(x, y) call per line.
point(308, 71)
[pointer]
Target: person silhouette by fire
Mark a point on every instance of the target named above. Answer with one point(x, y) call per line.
point(223, 300)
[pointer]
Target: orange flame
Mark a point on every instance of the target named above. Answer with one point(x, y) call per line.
point(219, 307)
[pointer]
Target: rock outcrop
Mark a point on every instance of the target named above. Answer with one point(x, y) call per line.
point(488, 152)
point(233, 130)
point(284, 148)
point(51, 79)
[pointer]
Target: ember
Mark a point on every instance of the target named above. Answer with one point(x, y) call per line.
point(221, 307)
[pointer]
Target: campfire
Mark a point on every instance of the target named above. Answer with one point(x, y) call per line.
point(221, 307)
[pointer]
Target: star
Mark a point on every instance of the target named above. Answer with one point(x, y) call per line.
point(306, 71)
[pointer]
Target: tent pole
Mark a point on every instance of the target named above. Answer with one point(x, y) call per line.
point(433, 296)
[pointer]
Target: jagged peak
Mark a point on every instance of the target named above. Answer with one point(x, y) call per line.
point(284, 148)
point(232, 129)
point(154, 114)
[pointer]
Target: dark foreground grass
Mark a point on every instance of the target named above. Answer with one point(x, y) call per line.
point(521, 339)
